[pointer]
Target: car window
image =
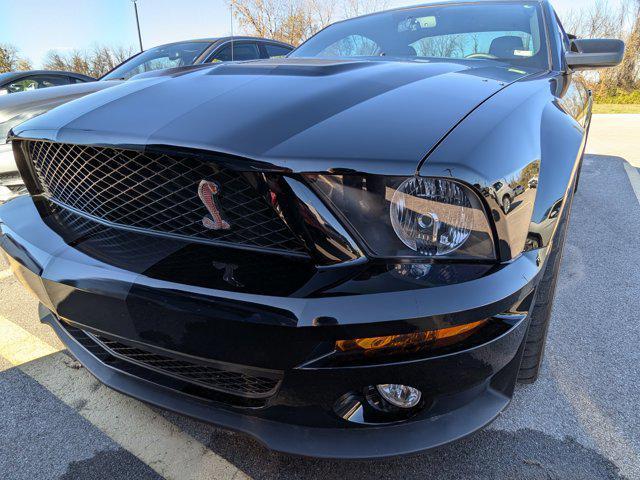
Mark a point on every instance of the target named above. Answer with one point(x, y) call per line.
point(564, 38)
point(352, 46)
point(511, 33)
point(77, 80)
point(166, 56)
point(35, 82)
point(274, 51)
point(241, 51)
point(479, 44)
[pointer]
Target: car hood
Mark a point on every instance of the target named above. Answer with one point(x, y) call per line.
point(304, 115)
point(19, 107)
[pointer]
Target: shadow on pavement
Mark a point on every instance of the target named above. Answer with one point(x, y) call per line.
point(489, 454)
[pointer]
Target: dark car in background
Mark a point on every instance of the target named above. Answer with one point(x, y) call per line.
point(22, 81)
point(15, 109)
point(196, 52)
point(305, 249)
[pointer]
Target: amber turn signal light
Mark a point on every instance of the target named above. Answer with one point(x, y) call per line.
point(409, 342)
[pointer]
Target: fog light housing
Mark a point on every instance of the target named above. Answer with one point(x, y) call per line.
point(401, 396)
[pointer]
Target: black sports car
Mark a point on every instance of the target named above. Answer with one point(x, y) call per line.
point(311, 250)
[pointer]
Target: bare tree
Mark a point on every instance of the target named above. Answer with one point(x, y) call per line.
point(94, 63)
point(606, 21)
point(323, 12)
point(74, 61)
point(353, 8)
point(475, 43)
point(291, 21)
point(104, 59)
point(24, 64)
point(628, 73)
point(10, 59)
point(446, 46)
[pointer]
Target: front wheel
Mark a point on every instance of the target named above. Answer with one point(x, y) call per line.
point(541, 313)
point(575, 188)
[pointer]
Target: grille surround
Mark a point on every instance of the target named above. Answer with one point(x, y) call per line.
point(157, 193)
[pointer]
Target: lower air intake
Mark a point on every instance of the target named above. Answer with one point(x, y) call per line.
point(252, 384)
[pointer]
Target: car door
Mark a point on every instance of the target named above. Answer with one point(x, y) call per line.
point(242, 50)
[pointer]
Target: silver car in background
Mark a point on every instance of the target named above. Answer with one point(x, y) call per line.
point(20, 107)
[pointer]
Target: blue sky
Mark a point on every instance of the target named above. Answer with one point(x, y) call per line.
point(36, 26)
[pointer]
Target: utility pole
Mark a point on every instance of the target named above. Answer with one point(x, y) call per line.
point(135, 7)
point(231, 5)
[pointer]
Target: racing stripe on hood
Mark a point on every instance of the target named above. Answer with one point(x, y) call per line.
point(291, 114)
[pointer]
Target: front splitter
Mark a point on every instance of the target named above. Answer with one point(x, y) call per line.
point(338, 443)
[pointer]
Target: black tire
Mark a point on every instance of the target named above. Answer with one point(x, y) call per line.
point(536, 338)
point(575, 188)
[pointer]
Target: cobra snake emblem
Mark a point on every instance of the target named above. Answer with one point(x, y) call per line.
point(208, 192)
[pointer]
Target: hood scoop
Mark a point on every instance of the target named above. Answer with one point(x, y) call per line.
point(301, 67)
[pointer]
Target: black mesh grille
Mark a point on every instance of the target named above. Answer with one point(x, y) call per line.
point(234, 382)
point(157, 192)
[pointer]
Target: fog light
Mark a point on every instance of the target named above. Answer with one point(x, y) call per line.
point(401, 396)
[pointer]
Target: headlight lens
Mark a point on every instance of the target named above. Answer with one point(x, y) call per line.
point(432, 216)
point(415, 217)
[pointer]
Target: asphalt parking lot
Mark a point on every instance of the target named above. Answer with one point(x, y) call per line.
point(579, 421)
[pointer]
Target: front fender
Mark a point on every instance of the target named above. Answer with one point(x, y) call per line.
point(518, 134)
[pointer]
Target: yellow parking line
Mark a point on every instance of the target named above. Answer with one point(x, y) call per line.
point(5, 274)
point(137, 428)
point(18, 346)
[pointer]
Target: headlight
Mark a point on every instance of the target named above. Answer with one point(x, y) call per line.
point(415, 217)
point(432, 216)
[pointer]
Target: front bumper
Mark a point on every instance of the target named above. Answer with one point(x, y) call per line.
point(83, 293)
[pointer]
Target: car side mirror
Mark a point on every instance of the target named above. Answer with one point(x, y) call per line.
point(590, 53)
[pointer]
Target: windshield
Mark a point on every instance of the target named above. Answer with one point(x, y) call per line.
point(166, 56)
point(510, 33)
